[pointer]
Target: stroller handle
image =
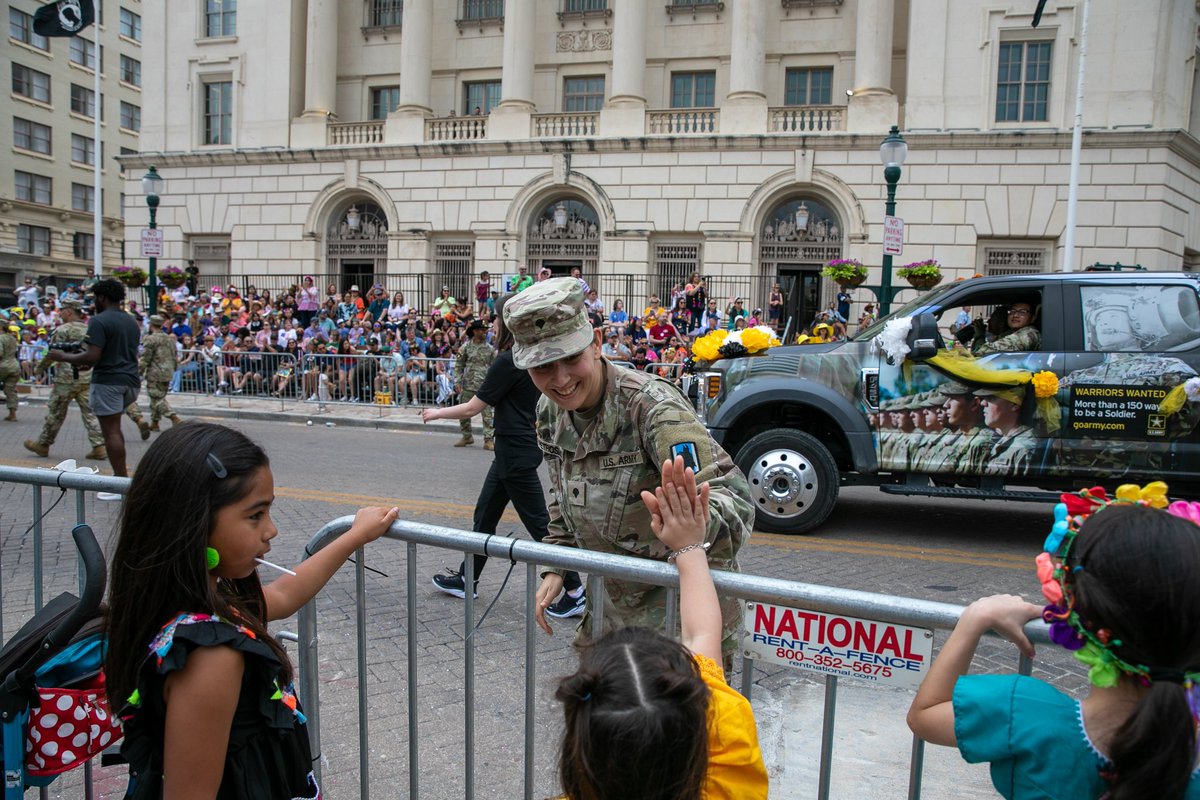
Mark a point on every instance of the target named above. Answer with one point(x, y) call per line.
point(95, 572)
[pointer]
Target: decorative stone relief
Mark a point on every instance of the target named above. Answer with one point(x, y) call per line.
point(583, 41)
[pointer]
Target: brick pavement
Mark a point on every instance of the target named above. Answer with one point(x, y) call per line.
point(871, 739)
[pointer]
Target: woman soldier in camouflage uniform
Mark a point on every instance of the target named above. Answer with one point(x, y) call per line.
point(605, 432)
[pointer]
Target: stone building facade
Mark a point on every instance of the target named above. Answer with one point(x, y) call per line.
point(642, 142)
point(47, 196)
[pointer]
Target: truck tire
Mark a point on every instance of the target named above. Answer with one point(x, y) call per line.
point(793, 480)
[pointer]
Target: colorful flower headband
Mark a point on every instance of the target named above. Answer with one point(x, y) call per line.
point(1095, 649)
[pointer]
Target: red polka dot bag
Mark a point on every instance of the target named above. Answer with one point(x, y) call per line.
point(69, 726)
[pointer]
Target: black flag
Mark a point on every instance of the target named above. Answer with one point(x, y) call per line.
point(64, 17)
point(1037, 15)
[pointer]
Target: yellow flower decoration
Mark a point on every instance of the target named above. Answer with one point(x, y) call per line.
point(707, 346)
point(757, 339)
point(1153, 494)
point(1045, 384)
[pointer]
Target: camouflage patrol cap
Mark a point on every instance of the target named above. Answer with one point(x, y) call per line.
point(156, 320)
point(952, 389)
point(1016, 396)
point(71, 303)
point(548, 322)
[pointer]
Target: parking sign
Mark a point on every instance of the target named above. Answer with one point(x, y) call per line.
point(893, 236)
point(152, 243)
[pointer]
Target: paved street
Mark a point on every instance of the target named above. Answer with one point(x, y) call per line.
point(949, 551)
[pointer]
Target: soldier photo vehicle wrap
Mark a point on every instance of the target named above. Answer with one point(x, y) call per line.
point(1092, 404)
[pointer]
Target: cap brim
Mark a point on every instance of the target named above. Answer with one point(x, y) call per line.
point(552, 349)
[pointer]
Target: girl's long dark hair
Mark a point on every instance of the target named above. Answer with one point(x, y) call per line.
point(636, 714)
point(159, 569)
point(504, 337)
point(1138, 580)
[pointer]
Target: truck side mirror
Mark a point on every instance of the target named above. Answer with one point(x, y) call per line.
point(924, 340)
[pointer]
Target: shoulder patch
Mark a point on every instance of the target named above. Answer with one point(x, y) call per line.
point(691, 459)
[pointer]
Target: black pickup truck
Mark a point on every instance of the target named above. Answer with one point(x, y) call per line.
point(1080, 403)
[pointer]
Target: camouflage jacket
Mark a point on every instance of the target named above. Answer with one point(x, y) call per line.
point(67, 333)
point(1012, 454)
point(597, 476)
point(472, 365)
point(159, 358)
point(1027, 339)
point(8, 353)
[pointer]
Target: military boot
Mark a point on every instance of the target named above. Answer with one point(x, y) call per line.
point(144, 428)
point(98, 453)
point(175, 419)
point(465, 441)
point(42, 450)
point(12, 416)
point(489, 444)
point(154, 427)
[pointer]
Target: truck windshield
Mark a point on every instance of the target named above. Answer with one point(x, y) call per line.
point(925, 301)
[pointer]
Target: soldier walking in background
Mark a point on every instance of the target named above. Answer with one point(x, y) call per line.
point(157, 365)
point(473, 361)
point(10, 370)
point(71, 384)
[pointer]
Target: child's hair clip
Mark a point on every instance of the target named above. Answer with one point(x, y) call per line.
point(218, 469)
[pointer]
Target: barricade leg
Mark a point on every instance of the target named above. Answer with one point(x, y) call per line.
point(360, 622)
point(831, 683)
point(413, 780)
point(469, 675)
point(531, 583)
point(916, 766)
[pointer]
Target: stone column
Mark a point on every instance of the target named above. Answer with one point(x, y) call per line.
point(512, 118)
point(406, 125)
point(745, 107)
point(320, 74)
point(624, 114)
point(873, 106)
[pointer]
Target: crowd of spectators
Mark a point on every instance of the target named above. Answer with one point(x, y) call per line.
point(368, 346)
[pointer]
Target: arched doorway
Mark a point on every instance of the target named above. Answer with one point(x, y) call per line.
point(565, 234)
point(356, 245)
point(795, 241)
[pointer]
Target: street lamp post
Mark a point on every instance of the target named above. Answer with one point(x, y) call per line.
point(152, 184)
point(892, 153)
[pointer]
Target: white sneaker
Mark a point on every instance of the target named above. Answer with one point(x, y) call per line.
point(109, 496)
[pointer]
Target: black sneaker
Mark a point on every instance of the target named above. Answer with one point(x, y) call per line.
point(567, 606)
point(452, 583)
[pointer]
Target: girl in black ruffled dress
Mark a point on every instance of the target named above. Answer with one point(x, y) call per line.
point(205, 692)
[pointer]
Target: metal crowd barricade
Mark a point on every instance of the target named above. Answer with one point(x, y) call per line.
point(814, 597)
point(670, 371)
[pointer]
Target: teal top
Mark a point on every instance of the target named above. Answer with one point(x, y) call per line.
point(1033, 735)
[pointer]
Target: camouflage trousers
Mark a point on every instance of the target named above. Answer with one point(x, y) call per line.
point(61, 397)
point(489, 413)
point(159, 407)
point(9, 381)
point(627, 604)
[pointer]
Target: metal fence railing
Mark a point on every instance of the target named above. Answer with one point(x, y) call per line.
point(885, 609)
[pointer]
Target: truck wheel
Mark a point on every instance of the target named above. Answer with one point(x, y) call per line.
point(793, 480)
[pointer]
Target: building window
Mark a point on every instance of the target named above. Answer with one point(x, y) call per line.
point(84, 245)
point(20, 28)
point(583, 94)
point(83, 197)
point(584, 6)
point(83, 101)
point(131, 116)
point(31, 136)
point(220, 18)
point(384, 100)
point(131, 71)
point(32, 188)
point(808, 87)
point(83, 149)
point(674, 263)
point(30, 83)
point(386, 13)
point(1023, 81)
point(218, 113)
point(693, 89)
point(482, 9)
point(480, 97)
point(82, 52)
point(1014, 260)
point(454, 266)
point(33, 239)
point(131, 25)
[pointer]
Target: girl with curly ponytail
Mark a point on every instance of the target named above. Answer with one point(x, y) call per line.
point(639, 708)
point(1121, 581)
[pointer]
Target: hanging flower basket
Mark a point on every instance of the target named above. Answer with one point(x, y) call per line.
point(133, 277)
point(172, 277)
point(921, 274)
point(846, 272)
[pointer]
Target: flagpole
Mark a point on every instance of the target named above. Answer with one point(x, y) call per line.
point(1076, 147)
point(97, 185)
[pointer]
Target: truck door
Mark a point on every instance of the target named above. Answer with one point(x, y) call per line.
point(1130, 344)
point(953, 423)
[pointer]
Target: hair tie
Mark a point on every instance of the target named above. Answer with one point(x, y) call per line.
point(218, 469)
point(1168, 675)
point(586, 697)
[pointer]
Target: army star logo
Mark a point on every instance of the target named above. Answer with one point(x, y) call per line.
point(1156, 425)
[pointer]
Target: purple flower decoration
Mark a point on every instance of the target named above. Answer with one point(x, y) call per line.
point(1062, 633)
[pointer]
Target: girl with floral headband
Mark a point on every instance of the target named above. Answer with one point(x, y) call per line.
point(1120, 578)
